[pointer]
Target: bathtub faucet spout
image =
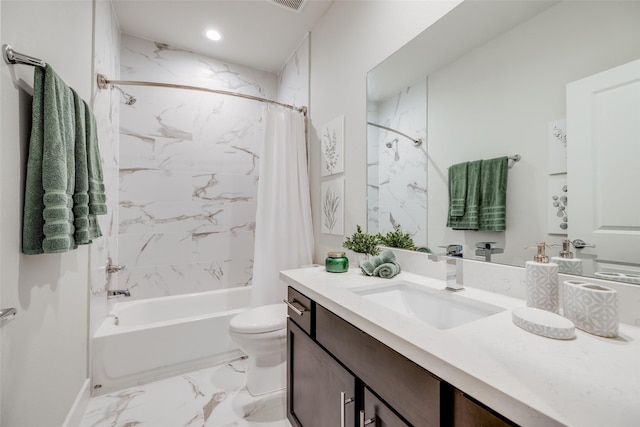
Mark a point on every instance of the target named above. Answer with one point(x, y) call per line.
point(118, 293)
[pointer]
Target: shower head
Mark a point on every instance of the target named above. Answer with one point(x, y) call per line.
point(128, 99)
point(389, 144)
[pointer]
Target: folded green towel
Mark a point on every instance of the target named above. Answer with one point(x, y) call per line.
point(368, 267)
point(387, 270)
point(493, 194)
point(48, 218)
point(469, 221)
point(457, 189)
point(387, 256)
point(423, 249)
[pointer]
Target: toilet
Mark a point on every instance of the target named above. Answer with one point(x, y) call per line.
point(261, 333)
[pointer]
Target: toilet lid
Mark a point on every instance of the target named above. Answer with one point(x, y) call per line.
point(256, 320)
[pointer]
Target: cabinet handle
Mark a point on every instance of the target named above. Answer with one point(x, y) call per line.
point(343, 403)
point(293, 307)
point(364, 422)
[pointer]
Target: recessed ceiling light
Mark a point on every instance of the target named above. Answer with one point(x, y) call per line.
point(213, 35)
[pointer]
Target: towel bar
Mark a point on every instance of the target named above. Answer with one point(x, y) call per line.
point(13, 57)
point(7, 313)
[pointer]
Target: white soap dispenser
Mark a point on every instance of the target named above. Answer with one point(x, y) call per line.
point(541, 278)
point(566, 262)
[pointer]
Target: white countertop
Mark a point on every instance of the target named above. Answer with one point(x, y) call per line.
point(532, 380)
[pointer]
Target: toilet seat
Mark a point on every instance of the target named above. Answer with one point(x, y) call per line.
point(266, 318)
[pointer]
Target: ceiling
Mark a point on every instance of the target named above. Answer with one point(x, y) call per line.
point(256, 33)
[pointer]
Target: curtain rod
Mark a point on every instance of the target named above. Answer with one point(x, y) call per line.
point(416, 142)
point(13, 57)
point(104, 82)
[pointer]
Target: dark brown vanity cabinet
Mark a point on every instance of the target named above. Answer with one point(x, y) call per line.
point(320, 391)
point(469, 413)
point(339, 375)
point(376, 413)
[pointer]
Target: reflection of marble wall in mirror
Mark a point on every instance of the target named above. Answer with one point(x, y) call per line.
point(397, 179)
point(497, 99)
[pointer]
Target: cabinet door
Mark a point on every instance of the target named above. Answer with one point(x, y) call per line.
point(377, 413)
point(468, 413)
point(408, 388)
point(320, 392)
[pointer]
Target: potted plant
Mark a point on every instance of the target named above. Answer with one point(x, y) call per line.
point(363, 244)
point(397, 239)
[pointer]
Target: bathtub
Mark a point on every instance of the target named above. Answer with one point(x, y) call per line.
point(145, 340)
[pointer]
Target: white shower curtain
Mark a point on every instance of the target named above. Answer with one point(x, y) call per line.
point(284, 233)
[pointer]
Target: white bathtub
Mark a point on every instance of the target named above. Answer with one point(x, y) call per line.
point(159, 337)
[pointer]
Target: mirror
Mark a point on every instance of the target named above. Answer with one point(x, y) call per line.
point(487, 80)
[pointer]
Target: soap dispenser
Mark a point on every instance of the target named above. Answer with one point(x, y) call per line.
point(566, 262)
point(541, 278)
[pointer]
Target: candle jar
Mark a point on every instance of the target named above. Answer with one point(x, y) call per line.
point(336, 262)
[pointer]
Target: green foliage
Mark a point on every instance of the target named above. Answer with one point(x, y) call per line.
point(397, 239)
point(362, 242)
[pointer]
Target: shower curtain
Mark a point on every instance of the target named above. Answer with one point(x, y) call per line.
point(284, 233)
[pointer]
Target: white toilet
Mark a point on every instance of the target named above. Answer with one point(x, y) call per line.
point(261, 333)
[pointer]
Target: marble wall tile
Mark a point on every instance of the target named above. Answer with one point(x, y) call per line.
point(168, 115)
point(293, 80)
point(188, 172)
point(150, 249)
point(225, 187)
point(154, 184)
point(145, 60)
point(223, 245)
point(402, 176)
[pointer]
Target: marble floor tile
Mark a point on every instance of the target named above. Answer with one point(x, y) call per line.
point(212, 397)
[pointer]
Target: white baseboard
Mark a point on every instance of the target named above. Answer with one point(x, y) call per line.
point(74, 417)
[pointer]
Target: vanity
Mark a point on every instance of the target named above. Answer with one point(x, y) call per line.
point(355, 359)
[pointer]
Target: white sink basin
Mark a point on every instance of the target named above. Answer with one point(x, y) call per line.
point(440, 309)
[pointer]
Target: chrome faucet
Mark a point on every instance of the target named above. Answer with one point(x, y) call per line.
point(118, 293)
point(453, 258)
point(486, 249)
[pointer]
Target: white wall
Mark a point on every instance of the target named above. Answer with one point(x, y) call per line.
point(45, 348)
point(352, 38)
point(498, 99)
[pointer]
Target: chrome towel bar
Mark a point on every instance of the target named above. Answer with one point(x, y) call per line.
point(13, 57)
point(7, 313)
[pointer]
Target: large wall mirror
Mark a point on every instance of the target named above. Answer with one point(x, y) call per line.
point(552, 82)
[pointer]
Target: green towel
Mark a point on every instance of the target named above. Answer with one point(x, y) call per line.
point(81, 192)
point(423, 249)
point(493, 194)
point(48, 218)
point(97, 197)
point(63, 189)
point(457, 189)
point(469, 221)
point(368, 267)
point(387, 270)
